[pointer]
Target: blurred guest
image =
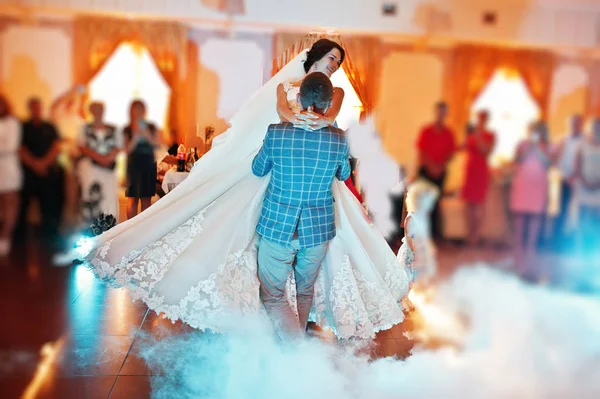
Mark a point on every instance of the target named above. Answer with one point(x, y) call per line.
point(436, 146)
point(66, 113)
point(44, 177)
point(169, 158)
point(173, 143)
point(167, 161)
point(587, 192)
point(398, 197)
point(567, 154)
point(141, 138)
point(99, 145)
point(469, 129)
point(11, 176)
point(417, 252)
point(479, 145)
point(529, 191)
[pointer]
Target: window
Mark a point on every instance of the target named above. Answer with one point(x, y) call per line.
point(351, 106)
point(511, 109)
point(128, 74)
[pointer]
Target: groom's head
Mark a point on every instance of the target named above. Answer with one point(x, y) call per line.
point(316, 91)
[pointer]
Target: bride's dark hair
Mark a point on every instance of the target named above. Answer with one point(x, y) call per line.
point(320, 50)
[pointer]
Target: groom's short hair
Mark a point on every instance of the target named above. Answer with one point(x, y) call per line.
point(316, 91)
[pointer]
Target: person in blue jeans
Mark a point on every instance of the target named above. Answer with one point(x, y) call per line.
point(297, 217)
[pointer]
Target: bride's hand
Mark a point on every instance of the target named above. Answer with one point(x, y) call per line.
point(314, 121)
point(304, 121)
point(321, 122)
point(296, 120)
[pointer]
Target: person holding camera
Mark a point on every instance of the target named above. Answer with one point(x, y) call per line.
point(141, 138)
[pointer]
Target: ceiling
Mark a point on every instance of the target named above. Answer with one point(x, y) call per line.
point(554, 23)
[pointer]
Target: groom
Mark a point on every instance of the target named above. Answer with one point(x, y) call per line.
point(297, 218)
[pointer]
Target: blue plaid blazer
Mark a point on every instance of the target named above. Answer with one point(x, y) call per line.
point(303, 166)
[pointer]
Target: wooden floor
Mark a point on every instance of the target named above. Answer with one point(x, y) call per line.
point(65, 335)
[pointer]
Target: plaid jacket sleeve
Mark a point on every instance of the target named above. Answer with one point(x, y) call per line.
point(344, 170)
point(262, 163)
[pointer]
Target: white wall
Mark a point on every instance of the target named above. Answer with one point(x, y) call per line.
point(35, 61)
point(230, 70)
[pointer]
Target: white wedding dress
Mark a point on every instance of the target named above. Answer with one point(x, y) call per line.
point(192, 255)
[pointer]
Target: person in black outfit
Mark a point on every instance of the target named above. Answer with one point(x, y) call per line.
point(174, 144)
point(44, 177)
point(141, 138)
point(169, 160)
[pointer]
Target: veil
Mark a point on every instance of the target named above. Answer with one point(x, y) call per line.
point(230, 151)
point(193, 254)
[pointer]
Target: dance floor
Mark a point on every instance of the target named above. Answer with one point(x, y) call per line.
point(65, 335)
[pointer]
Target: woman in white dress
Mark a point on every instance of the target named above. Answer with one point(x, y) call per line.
point(11, 176)
point(99, 145)
point(417, 252)
point(192, 255)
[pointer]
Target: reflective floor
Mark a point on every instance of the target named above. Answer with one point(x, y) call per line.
point(65, 335)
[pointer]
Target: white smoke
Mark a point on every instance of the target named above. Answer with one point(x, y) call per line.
point(378, 172)
point(522, 341)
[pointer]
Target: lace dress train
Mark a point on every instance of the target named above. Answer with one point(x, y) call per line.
point(193, 255)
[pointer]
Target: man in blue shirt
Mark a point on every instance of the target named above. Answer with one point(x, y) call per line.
point(297, 219)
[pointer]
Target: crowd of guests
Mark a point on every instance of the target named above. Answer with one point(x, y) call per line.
point(576, 156)
point(31, 168)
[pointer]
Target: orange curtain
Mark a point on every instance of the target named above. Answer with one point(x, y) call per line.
point(363, 68)
point(186, 107)
point(95, 39)
point(362, 63)
point(593, 98)
point(473, 66)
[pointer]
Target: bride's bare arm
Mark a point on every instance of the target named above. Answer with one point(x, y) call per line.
point(283, 110)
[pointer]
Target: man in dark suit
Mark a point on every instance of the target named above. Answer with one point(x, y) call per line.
point(297, 219)
point(44, 177)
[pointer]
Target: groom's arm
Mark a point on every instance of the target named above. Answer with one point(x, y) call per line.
point(262, 163)
point(344, 170)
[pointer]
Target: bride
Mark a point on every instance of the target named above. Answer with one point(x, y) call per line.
point(193, 255)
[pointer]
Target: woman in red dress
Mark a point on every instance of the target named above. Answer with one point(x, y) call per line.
point(479, 145)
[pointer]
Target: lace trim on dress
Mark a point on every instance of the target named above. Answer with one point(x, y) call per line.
point(152, 261)
point(211, 303)
point(359, 308)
